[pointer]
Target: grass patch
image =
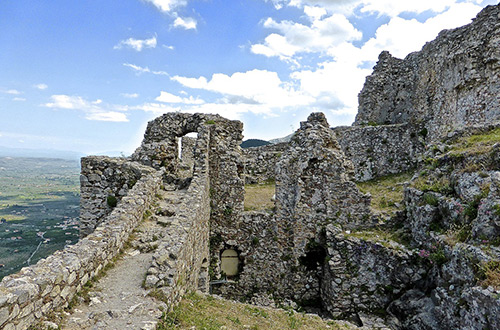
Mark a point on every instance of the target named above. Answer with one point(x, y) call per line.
point(385, 238)
point(386, 191)
point(426, 183)
point(490, 274)
point(258, 197)
point(206, 312)
point(478, 143)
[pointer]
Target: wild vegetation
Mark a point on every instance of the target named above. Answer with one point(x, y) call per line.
point(208, 312)
point(386, 191)
point(259, 197)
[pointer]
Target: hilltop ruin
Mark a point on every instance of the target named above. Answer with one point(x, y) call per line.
point(431, 261)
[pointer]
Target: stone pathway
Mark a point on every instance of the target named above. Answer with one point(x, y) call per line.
point(118, 300)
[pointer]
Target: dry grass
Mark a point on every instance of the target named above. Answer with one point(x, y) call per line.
point(477, 144)
point(386, 191)
point(491, 274)
point(258, 197)
point(206, 312)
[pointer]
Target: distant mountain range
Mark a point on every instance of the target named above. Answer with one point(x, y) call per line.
point(253, 143)
point(39, 153)
point(258, 143)
point(283, 139)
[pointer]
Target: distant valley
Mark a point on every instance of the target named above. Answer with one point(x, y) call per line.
point(39, 209)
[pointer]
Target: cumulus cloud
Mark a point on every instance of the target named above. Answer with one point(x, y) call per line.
point(12, 92)
point(92, 110)
point(137, 44)
point(166, 97)
point(294, 38)
point(167, 5)
point(230, 111)
point(140, 69)
point(252, 87)
point(187, 23)
point(41, 86)
point(19, 99)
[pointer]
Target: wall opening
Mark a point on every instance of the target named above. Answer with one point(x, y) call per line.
point(230, 263)
point(260, 196)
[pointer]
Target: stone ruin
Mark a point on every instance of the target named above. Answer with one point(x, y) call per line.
point(320, 248)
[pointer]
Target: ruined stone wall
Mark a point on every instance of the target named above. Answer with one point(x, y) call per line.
point(37, 290)
point(381, 150)
point(451, 83)
point(103, 183)
point(281, 255)
point(180, 263)
point(260, 162)
point(365, 275)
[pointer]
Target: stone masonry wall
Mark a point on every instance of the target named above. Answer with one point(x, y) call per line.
point(381, 150)
point(180, 262)
point(37, 290)
point(451, 83)
point(260, 162)
point(281, 255)
point(103, 183)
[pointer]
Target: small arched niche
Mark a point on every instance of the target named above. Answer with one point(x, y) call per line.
point(229, 262)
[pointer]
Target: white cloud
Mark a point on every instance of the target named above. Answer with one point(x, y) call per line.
point(187, 23)
point(19, 99)
point(166, 97)
point(167, 5)
point(294, 38)
point(130, 95)
point(401, 36)
point(393, 8)
point(251, 87)
point(230, 111)
point(140, 69)
point(41, 86)
point(12, 92)
point(137, 44)
point(92, 110)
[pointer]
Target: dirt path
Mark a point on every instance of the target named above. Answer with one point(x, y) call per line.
point(118, 301)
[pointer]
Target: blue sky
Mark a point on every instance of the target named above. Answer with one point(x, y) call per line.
point(87, 76)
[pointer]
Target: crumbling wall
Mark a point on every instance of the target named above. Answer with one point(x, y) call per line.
point(381, 150)
point(366, 275)
point(314, 181)
point(281, 255)
point(180, 262)
point(103, 183)
point(451, 83)
point(37, 290)
point(260, 162)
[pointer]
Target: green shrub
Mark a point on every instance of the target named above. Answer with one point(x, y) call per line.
point(111, 201)
point(431, 199)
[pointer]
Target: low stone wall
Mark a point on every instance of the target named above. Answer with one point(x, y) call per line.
point(37, 290)
point(103, 183)
point(260, 162)
point(364, 275)
point(381, 150)
point(180, 262)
